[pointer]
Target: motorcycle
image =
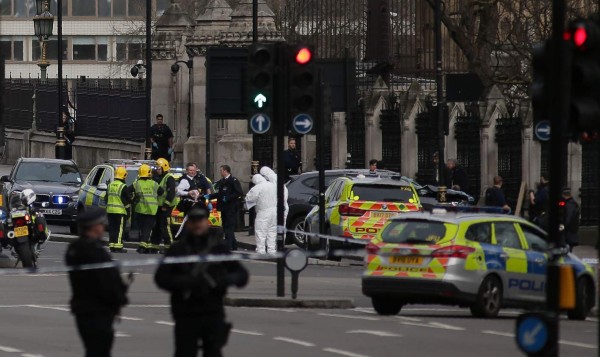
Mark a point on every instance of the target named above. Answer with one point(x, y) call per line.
point(24, 229)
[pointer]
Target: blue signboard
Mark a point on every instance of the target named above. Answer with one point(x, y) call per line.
point(302, 123)
point(260, 123)
point(542, 130)
point(532, 333)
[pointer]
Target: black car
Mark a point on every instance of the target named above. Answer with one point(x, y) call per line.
point(301, 188)
point(56, 184)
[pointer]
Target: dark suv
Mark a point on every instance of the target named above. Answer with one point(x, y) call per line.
point(56, 185)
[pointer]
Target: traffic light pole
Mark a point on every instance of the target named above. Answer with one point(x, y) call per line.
point(280, 93)
point(559, 107)
point(440, 93)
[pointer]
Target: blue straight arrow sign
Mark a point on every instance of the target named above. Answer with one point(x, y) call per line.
point(260, 123)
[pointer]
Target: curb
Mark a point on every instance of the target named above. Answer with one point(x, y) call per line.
point(290, 303)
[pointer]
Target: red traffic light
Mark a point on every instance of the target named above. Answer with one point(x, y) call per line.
point(580, 35)
point(303, 55)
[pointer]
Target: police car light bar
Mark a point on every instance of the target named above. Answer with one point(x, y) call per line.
point(130, 162)
point(438, 209)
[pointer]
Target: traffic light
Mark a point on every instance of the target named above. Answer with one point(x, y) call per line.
point(539, 84)
point(584, 36)
point(261, 65)
point(303, 79)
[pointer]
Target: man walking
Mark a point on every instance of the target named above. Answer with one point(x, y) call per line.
point(263, 196)
point(98, 294)
point(569, 224)
point(228, 195)
point(197, 289)
point(166, 202)
point(162, 139)
point(119, 196)
point(494, 196)
point(147, 192)
point(291, 159)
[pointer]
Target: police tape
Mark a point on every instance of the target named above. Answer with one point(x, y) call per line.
point(346, 240)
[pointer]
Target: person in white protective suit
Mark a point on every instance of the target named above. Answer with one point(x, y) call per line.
point(263, 196)
point(271, 176)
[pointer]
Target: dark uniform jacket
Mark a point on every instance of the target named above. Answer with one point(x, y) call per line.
point(571, 221)
point(99, 291)
point(457, 177)
point(230, 190)
point(292, 162)
point(198, 289)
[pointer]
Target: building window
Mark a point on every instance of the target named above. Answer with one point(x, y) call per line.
point(83, 8)
point(5, 9)
point(11, 48)
point(104, 8)
point(161, 6)
point(120, 8)
point(51, 50)
point(6, 49)
point(26, 8)
point(90, 48)
point(136, 7)
point(130, 49)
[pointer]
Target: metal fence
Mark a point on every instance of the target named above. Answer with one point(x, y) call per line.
point(426, 145)
point(509, 137)
point(467, 131)
point(391, 133)
point(356, 131)
point(111, 108)
point(590, 183)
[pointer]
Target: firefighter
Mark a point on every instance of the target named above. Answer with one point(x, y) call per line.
point(166, 202)
point(119, 196)
point(147, 192)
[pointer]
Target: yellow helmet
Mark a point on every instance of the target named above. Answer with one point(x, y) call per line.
point(120, 173)
point(163, 164)
point(145, 171)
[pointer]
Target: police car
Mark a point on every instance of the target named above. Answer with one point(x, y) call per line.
point(358, 207)
point(481, 261)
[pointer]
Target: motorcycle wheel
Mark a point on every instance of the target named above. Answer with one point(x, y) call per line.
point(25, 253)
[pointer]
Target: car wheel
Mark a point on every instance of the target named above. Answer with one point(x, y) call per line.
point(25, 254)
point(584, 299)
point(386, 306)
point(489, 298)
point(298, 238)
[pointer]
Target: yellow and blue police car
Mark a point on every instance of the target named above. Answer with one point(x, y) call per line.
point(482, 261)
point(358, 207)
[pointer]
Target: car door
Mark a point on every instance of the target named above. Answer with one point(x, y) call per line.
point(513, 254)
point(85, 196)
point(105, 180)
point(92, 194)
point(537, 260)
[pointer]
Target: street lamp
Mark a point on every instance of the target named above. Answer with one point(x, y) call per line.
point(43, 23)
point(174, 69)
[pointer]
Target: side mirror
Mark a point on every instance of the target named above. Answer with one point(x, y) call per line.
point(102, 187)
point(5, 178)
point(314, 200)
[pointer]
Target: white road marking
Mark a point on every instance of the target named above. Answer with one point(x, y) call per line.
point(577, 344)
point(150, 306)
point(50, 307)
point(30, 355)
point(121, 334)
point(364, 310)
point(272, 309)
point(250, 333)
point(447, 327)
point(433, 325)
point(9, 349)
point(294, 341)
point(131, 318)
point(342, 352)
point(168, 323)
point(375, 333)
point(498, 333)
point(351, 317)
point(406, 318)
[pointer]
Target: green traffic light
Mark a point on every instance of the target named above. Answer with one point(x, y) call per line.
point(260, 100)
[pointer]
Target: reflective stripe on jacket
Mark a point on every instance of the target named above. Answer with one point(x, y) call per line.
point(114, 203)
point(147, 192)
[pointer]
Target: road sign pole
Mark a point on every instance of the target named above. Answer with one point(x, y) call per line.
point(279, 107)
point(320, 123)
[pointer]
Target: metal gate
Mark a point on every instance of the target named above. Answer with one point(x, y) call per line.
point(426, 146)
point(467, 131)
point(509, 137)
point(262, 148)
point(590, 190)
point(544, 159)
point(17, 100)
point(355, 126)
point(391, 134)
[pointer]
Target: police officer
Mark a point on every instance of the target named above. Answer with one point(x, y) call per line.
point(197, 289)
point(98, 294)
point(191, 187)
point(119, 197)
point(162, 139)
point(569, 224)
point(166, 202)
point(146, 207)
point(293, 164)
point(228, 195)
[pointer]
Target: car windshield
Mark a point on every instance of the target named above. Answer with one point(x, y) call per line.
point(382, 193)
point(48, 172)
point(414, 232)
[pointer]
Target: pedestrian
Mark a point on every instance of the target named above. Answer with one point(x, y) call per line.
point(162, 139)
point(271, 176)
point(228, 196)
point(197, 289)
point(146, 207)
point(538, 200)
point(373, 167)
point(291, 159)
point(435, 177)
point(494, 196)
point(456, 176)
point(98, 294)
point(119, 197)
point(68, 124)
point(166, 201)
point(569, 223)
point(263, 196)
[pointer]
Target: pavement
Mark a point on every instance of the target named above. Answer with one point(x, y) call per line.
point(34, 311)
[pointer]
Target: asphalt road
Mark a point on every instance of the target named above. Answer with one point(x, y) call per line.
point(36, 322)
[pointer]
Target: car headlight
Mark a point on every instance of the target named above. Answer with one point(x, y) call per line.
point(75, 198)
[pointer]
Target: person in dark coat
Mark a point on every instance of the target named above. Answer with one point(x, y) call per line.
point(538, 201)
point(569, 225)
point(198, 289)
point(495, 197)
point(98, 294)
point(291, 159)
point(456, 176)
point(228, 198)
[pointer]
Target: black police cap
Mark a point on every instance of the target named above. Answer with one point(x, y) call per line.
point(91, 217)
point(198, 213)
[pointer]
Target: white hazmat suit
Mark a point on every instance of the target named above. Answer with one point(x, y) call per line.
point(263, 196)
point(272, 177)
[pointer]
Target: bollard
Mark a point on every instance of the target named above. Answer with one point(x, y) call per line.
point(441, 196)
point(148, 154)
point(60, 150)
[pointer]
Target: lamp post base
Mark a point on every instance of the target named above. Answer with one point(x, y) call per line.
point(60, 149)
point(43, 67)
